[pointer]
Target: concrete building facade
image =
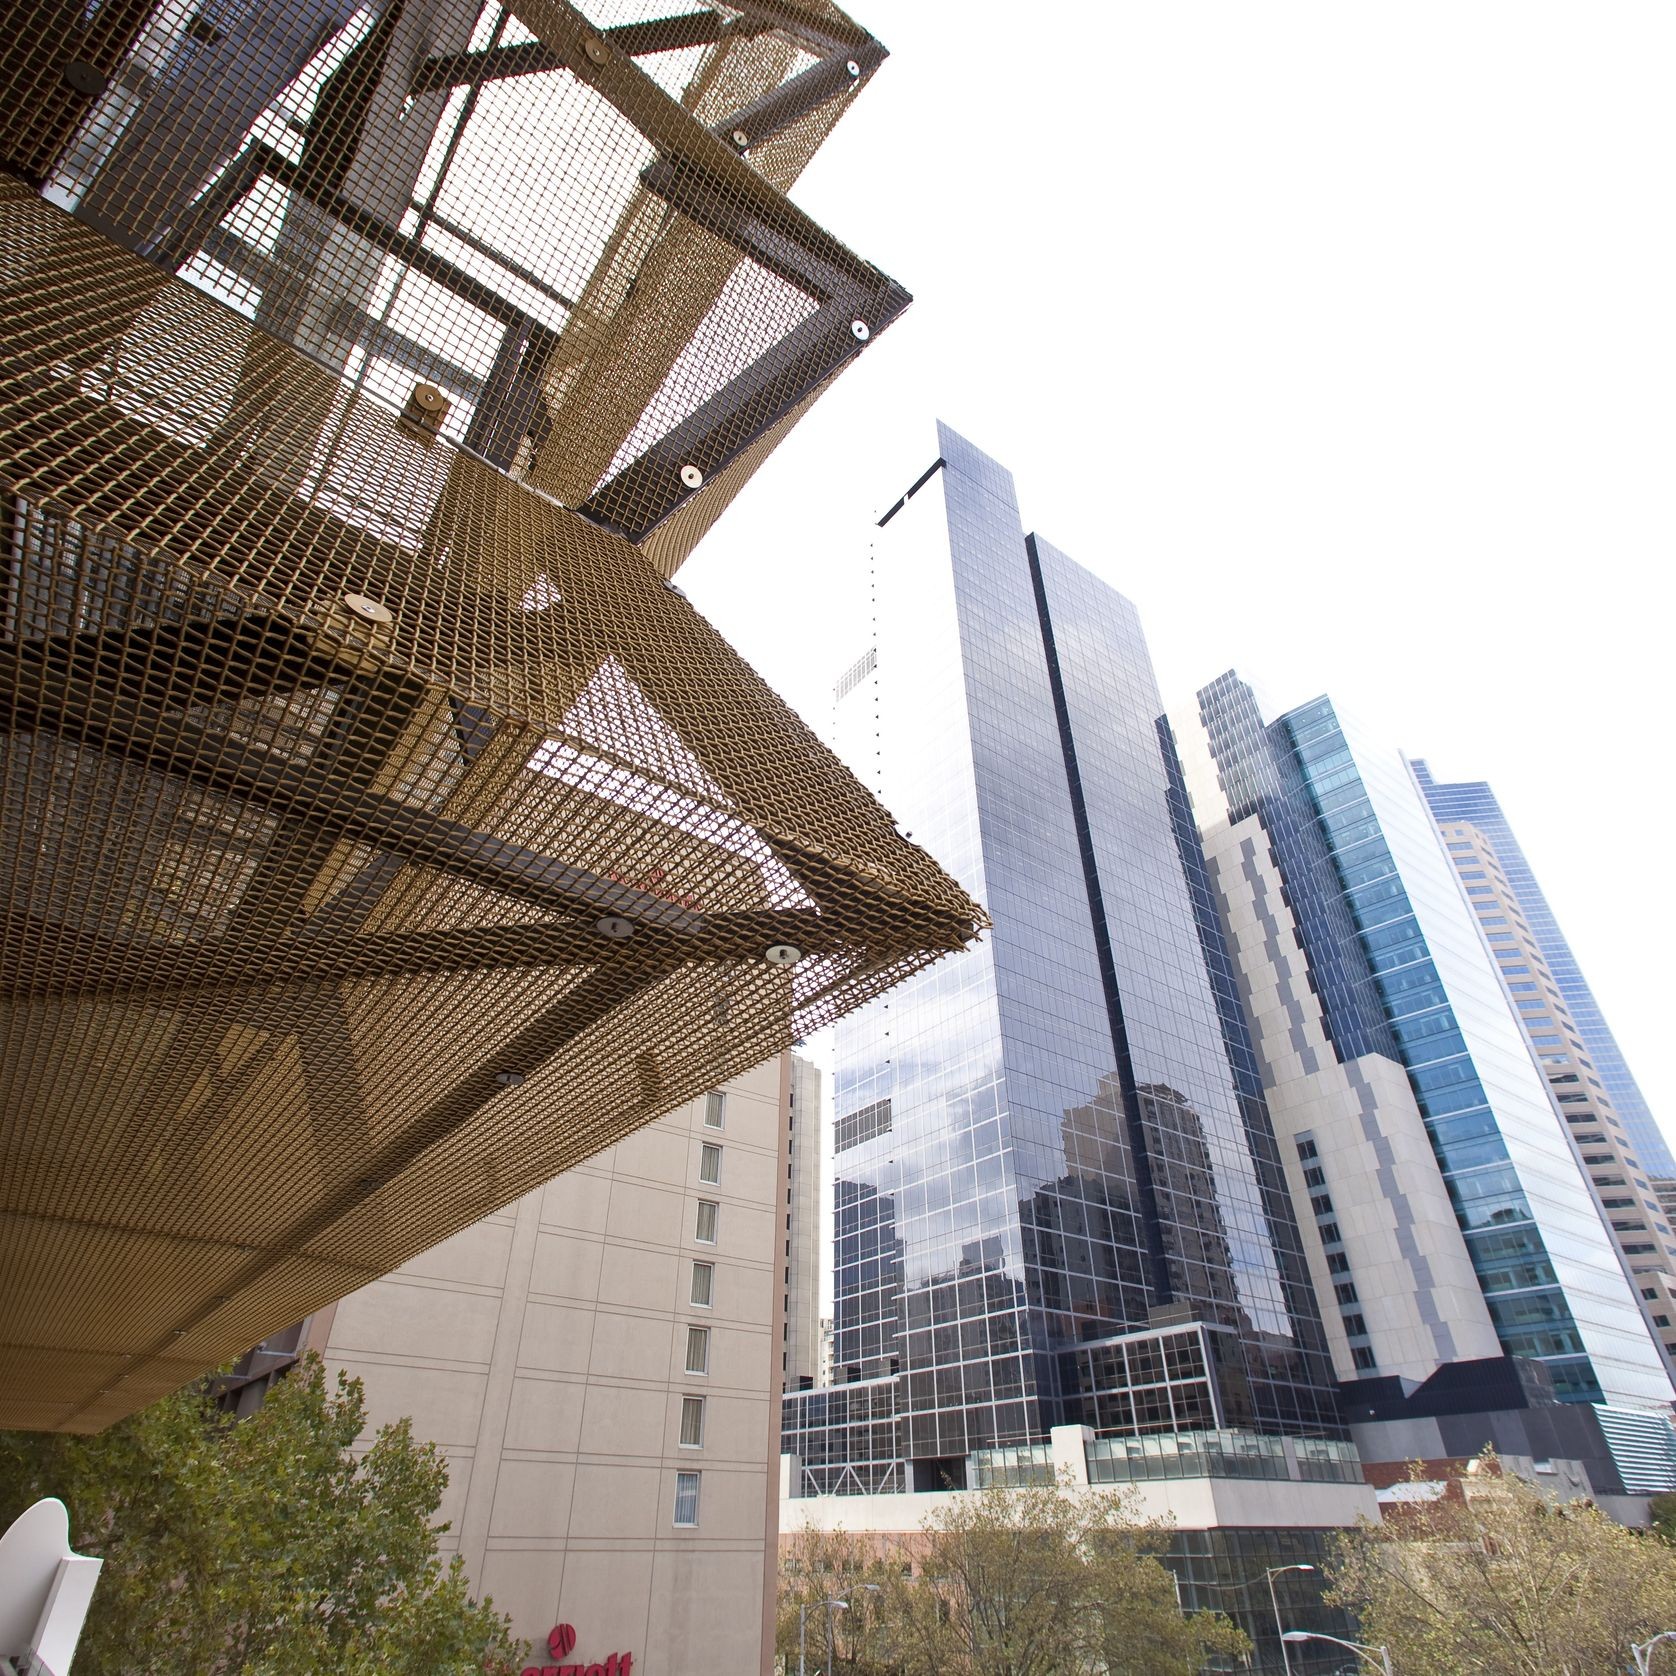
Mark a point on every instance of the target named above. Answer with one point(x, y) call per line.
point(800, 1356)
point(600, 1364)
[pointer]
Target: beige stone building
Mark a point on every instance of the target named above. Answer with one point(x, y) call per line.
point(800, 1358)
point(1629, 1201)
point(600, 1363)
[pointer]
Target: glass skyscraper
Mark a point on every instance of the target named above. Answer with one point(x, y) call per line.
point(1473, 801)
point(1058, 1197)
point(1416, 972)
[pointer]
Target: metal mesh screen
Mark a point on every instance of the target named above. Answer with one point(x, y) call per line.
point(572, 229)
point(383, 835)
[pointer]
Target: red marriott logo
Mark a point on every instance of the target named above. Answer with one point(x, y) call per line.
point(561, 1642)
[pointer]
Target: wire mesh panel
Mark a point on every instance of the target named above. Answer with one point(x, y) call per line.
point(572, 231)
point(383, 832)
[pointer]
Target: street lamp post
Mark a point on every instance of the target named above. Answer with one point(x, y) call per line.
point(1643, 1653)
point(802, 1623)
point(872, 1589)
point(1273, 1572)
point(831, 1607)
point(1382, 1654)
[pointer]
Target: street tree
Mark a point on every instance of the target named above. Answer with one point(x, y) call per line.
point(264, 1545)
point(1034, 1581)
point(1501, 1579)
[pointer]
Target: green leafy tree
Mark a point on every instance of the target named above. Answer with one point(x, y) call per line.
point(261, 1546)
point(1037, 1581)
point(1507, 1581)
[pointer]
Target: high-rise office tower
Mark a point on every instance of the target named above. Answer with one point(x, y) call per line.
point(1472, 804)
point(1570, 1039)
point(1418, 1129)
point(1058, 1199)
point(381, 833)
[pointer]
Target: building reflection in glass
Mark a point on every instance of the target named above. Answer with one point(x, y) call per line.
point(1058, 1198)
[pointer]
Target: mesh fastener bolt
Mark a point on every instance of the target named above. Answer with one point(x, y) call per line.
point(596, 49)
point(692, 477)
point(366, 607)
point(860, 330)
point(82, 78)
point(615, 927)
point(741, 138)
point(782, 954)
point(853, 68)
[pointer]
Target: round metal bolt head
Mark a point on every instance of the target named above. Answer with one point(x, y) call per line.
point(853, 68)
point(741, 138)
point(368, 608)
point(596, 49)
point(782, 954)
point(692, 477)
point(510, 1079)
point(860, 330)
point(615, 927)
point(429, 397)
point(82, 78)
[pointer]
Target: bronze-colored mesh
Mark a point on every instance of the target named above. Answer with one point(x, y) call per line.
point(382, 835)
point(573, 227)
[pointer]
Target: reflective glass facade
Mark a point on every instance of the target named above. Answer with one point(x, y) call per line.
point(1474, 801)
point(1549, 1274)
point(1057, 1138)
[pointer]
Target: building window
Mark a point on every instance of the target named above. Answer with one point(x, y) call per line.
point(686, 1498)
point(704, 1284)
point(1661, 1320)
point(710, 1164)
point(1362, 1356)
point(1329, 1232)
point(1306, 1149)
point(692, 1422)
point(705, 1230)
point(1355, 1325)
point(715, 1104)
point(698, 1350)
point(1466, 846)
point(1491, 919)
point(1322, 1204)
point(1337, 1263)
point(1315, 1176)
point(1345, 1292)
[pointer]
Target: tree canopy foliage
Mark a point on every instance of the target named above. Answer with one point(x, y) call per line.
point(1002, 1582)
point(1507, 1581)
point(260, 1546)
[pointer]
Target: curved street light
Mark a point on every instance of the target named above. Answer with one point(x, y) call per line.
point(1642, 1653)
point(1273, 1572)
point(802, 1619)
point(1383, 1654)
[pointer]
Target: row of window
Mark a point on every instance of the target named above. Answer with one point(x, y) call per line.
point(702, 1294)
point(1338, 1261)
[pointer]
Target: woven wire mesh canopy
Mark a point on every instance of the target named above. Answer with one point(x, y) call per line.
point(383, 832)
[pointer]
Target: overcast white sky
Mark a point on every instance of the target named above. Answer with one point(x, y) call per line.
point(1341, 338)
